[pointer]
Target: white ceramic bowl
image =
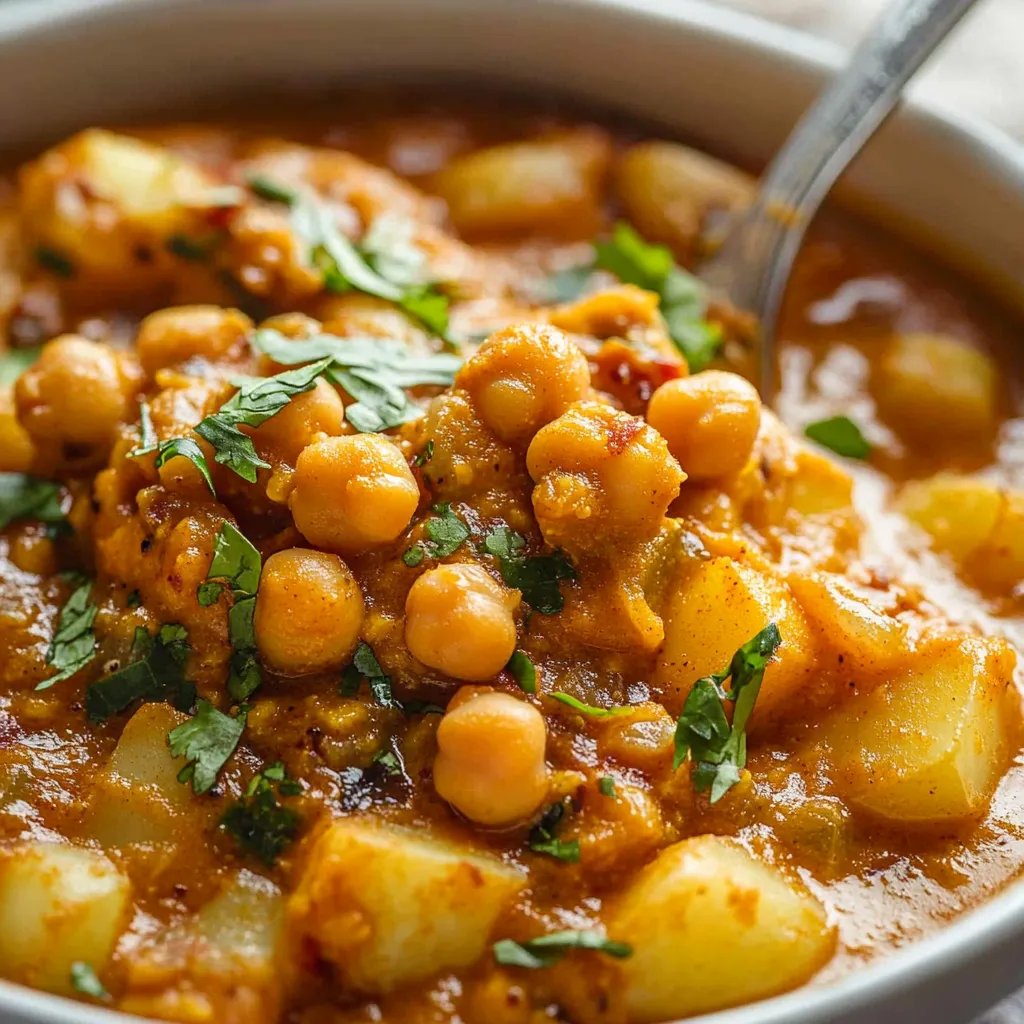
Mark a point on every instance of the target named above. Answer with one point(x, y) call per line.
point(729, 82)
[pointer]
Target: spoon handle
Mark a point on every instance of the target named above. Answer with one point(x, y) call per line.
point(753, 265)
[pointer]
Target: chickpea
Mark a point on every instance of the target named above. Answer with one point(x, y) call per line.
point(490, 759)
point(523, 377)
point(309, 611)
point(710, 421)
point(170, 337)
point(352, 493)
point(459, 619)
point(16, 450)
point(74, 394)
point(319, 411)
point(601, 474)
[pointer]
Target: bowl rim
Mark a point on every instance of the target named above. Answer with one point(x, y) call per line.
point(974, 934)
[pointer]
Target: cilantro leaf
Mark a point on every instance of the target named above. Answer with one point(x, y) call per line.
point(373, 371)
point(85, 981)
point(185, 447)
point(549, 949)
point(537, 578)
point(683, 302)
point(542, 838)
point(590, 710)
point(522, 671)
point(15, 361)
point(569, 284)
point(389, 761)
point(270, 190)
point(74, 643)
point(257, 822)
point(426, 455)
point(606, 785)
point(235, 560)
point(157, 671)
point(194, 250)
point(207, 740)
point(841, 435)
point(446, 532)
point(28, 497)
point(703, 732)
point(366, 666)
point(54, 261)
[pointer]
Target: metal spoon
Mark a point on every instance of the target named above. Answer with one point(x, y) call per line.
point(753, 264)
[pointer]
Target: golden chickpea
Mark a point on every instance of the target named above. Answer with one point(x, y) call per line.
point(353, 493)
point(600, 474)
point(459, 619)
point(710, 421)
point(319, 411)
point(309, 611)
point(74, 394)
point(523, 377)
point(490, 759)
point(171, 337)
point(16, 450)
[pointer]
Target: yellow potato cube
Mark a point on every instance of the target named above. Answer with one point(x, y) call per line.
point(387, 906)
point(931, 384)
point(931, 745)
point(698, 898)
point(549, 185)
point(717, 610)
point(959, 512)
point(58, 905)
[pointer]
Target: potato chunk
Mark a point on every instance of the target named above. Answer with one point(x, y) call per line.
point(717, 610)
point(668, 190)
point(930, 384)
point(108, 203)
point(58, 905)
point(697, 899)
point(931, 745)
point(386, 906)
point(549, 185)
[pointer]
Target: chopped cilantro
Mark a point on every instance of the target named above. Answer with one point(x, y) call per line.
point(373, 371)
point(682, 295)
point(523, 671)
point(446, 532)
point(236, 566)
point(272, 191)
point(366, 666)
point(156, 672)
point(569, 284)
point(589, 709)
point(206, 740)
point(183, 446)
point(85, 981)
point(389, 761)
point(549, 949)
point(606, 785)
point(133, 600)
point(542, 837)
point(195, 250)
point(537, 577)
point(426, 455)
point(257, 821)
point(28, 497)
point(54, 261)
point(413, 555)
point(74, 643)
point(15, 361)
point(421, 707)
point(841, 435)
point(703, 733)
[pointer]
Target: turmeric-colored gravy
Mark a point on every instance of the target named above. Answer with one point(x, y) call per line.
point(408, 611)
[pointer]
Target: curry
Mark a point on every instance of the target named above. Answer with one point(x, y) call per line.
point(409, 612)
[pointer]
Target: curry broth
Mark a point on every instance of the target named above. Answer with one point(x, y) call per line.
point(884, 882)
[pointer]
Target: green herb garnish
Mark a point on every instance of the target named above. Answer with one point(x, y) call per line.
point(703, 733)
point(426, 455)
point(194, 250)
point(542, 837)
point(74, 643)
point(841, 435)
point(389, 761)
point(536, 577)
point(54, 261)
point(522, 671)
point(15, 361)
point(590, 710)
point(28, 497)
point(207, 740)
point(445, 531)
point(549, 949)
point(157, 672)
point(258, 822)
point(373, 371)
point(606, 785)
point(366, 666)
point(85, 981)
point(683, 298)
